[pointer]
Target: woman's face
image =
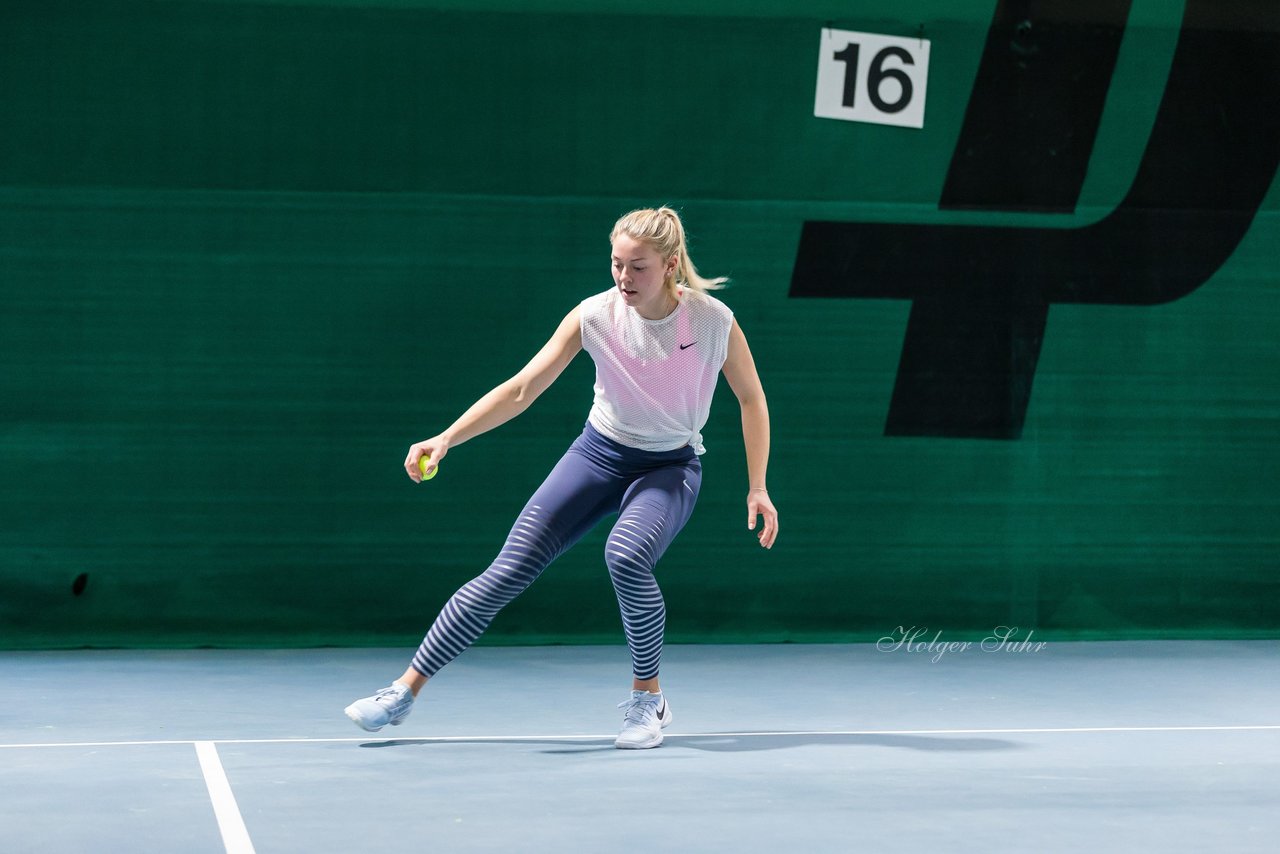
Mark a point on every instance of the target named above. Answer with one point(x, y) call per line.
point(638, 273)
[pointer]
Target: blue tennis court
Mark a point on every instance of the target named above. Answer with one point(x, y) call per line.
point(1121, 746)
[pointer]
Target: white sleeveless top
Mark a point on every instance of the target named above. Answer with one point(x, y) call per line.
point(655, 378)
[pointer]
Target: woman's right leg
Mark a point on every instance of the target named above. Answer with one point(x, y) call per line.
point(573, 498)
point(576, 494)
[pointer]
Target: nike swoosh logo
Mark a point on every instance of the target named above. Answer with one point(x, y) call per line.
point(687, 346)
point(663, 710)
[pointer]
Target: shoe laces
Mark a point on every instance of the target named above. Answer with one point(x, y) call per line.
point(390, 695)
point(640, 711)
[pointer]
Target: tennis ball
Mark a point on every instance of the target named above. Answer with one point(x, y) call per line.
point(423, 462)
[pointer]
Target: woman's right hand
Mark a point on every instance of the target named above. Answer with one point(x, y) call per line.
point(434, 448)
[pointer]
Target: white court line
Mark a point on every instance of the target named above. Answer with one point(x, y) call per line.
point(235, 836)
point(684, 735)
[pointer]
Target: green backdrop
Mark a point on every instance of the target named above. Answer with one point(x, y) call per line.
point(249, 252)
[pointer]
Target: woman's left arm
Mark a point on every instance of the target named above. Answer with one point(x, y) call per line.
point(740, 370)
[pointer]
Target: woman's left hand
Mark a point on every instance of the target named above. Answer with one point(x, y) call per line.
point(758, 504)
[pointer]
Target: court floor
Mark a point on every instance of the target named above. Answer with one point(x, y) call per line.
point(900, 746)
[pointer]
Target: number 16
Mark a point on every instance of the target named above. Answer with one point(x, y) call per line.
point(876, 75)
point(867, 77)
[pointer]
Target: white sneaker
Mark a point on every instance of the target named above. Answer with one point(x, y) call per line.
point(646, 715)
point(391, 705)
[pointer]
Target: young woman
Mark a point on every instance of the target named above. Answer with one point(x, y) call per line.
point(659, 342)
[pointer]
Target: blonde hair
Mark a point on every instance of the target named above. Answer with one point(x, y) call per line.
point(661, 229)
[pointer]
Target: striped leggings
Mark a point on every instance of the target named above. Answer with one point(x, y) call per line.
point(653, 493)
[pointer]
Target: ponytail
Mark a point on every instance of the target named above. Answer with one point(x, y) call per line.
point(662, 229)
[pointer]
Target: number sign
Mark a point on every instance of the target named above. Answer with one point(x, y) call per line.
point(863, 77)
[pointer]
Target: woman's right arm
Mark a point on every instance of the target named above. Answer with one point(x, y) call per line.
point(507, 400)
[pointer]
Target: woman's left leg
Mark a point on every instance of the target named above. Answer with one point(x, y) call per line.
point(654, 509)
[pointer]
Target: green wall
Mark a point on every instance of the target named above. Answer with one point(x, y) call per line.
point(250, 252)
